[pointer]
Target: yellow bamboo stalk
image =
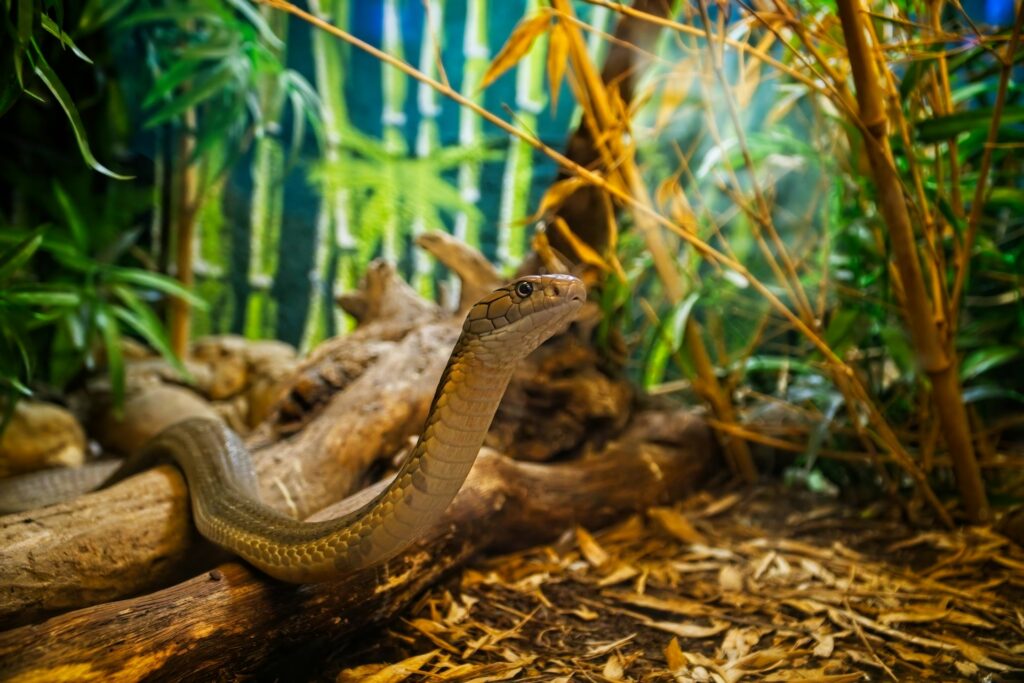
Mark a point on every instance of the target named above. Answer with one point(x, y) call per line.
point(938, 362)
point(180, 311)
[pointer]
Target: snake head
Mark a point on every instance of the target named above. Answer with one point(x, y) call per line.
point(525, 313)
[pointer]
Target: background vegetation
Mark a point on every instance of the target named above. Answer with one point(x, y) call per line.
point(818, 226)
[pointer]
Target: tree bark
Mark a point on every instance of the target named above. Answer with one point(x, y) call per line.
point(233, 618)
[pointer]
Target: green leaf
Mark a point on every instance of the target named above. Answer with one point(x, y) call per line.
point(160, 283)
point(18, 255)
point(256, 19)
point(51, 26)
point(139, 317)
point(1011, 198)
point(41, 297)
point(212, 85)
point(983, 392)
point(983, 360)
point(74, 219)
point(99, 12)
point(115, 358)
point(941, 128)
point(60, 93)
point(182, 14)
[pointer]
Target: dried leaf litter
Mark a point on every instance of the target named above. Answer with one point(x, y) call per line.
point(769, 585)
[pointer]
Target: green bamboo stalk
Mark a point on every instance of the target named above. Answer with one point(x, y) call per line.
point(267, 203)
point(334, 236)
point(476, 57)
point(515, 197)
point(427, 135)
point(393, 118)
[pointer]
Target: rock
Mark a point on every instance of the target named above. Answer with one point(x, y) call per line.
point(229, 368)
point(40, 435)
point(146, 413)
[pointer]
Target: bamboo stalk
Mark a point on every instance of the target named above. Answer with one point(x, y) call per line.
point(938, 362)
point(185, 231)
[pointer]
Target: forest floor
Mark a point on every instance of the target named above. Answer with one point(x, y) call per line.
point(769, 584)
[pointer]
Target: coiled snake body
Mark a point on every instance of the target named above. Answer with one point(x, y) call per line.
point(498, 332)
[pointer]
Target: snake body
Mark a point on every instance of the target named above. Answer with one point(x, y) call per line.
point(500, 330)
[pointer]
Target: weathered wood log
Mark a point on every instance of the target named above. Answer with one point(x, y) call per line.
point(237, 620)
point(137, 535)
point(477, 275)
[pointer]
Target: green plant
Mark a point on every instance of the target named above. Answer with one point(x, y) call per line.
point(69, 290)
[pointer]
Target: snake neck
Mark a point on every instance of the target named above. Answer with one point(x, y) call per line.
point(460, 414)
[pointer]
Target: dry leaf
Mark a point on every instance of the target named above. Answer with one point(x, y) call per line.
point(613, 668)
point(591, 549)
point(690, 630)
point(825, 646)
point(730, 579)
point(516, 47)
point(393, 673)
point(558, 58)
point(677, 525)
point(623, 572)
point(600, 649)
point(738, 641)
point(674, 656)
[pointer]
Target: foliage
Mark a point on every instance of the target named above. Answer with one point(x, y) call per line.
point(218, 58)
point(68, 292)
point(386, 185)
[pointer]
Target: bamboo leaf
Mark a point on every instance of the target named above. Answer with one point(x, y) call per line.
point(140, 318)
point(983, 360)
point(60, 93)
point(943, 127)
point(115, 358)
point(210, 86)
point(74, 219)
point(51, 27)
point(516, 47)
point(155, 281)
point(16, 256)
point(585, 252)
point(558, 58)
point(99, 12)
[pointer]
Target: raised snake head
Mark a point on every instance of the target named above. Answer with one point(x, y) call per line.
point(514, 320)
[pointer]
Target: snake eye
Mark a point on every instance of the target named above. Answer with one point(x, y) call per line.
point(524, 289)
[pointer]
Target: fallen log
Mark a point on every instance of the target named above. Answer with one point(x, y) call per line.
point(234, 619)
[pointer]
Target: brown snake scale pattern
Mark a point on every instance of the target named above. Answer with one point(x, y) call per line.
point(499, 331)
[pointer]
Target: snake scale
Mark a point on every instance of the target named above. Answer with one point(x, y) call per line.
point(499, 331)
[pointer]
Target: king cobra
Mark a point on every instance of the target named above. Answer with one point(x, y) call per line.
point(499, 331)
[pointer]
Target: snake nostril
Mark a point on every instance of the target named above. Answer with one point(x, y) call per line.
point(558, 292)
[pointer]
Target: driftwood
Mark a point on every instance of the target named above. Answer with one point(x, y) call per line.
point(477, 275)
point(137, 536)
point(234, 619)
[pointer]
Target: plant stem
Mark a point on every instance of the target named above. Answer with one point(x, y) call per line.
point(936, 358)
point(185, 229)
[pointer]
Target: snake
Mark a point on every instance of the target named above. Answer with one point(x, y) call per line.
point(498, 332)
